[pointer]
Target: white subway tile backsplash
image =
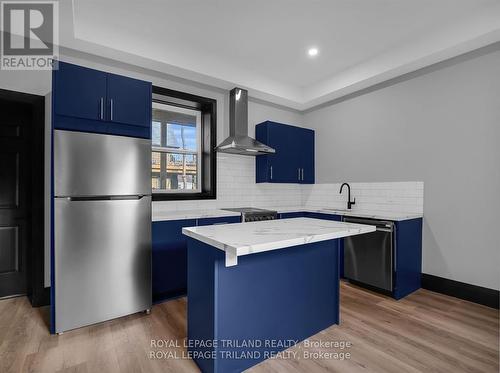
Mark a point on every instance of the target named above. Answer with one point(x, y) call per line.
point(404, 197)
point(236, 187)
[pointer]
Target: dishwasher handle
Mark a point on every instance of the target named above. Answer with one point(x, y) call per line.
point(381, 225)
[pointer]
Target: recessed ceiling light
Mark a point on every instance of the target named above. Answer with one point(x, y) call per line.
point(312, 52)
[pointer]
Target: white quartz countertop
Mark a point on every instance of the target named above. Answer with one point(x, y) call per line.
point(216, 213)
point(386, 215)
point(192, 214)
point(249, 238)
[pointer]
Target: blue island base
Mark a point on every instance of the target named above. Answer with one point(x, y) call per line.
point(241, 315)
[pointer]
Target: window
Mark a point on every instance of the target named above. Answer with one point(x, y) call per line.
point(183, 143)
point(176, 141)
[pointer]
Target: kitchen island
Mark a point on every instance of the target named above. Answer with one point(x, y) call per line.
point(255, 289)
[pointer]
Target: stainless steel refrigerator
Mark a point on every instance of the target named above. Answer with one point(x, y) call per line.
point(102, 228)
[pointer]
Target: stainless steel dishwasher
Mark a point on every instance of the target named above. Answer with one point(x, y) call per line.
point(369, 258)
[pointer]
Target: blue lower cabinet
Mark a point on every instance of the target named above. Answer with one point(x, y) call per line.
point(222, 220)
point(305, 214)
point(318, 215)
point(290, 215)
point(169, 259)
point(408, 268)
point(408, 244)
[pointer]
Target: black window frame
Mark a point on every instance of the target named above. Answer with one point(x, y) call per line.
point(208, 156)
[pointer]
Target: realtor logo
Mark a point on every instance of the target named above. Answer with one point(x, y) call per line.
point(30, 35)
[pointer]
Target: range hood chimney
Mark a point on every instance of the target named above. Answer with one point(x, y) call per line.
point(238, 141)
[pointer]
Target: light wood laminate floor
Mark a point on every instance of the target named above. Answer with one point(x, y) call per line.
point(426, 332)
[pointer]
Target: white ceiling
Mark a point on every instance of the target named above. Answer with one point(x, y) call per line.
point(262, 44)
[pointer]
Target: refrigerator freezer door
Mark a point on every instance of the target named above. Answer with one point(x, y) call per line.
point(102, 260)
point(87, 164)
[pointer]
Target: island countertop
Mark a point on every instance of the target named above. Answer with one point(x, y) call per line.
point(255, 237)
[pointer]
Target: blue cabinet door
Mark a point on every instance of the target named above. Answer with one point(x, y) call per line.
point(221, 220)
point(79, 92)
point(307, 156)
point(295, 151)
point(318, 215)
point(169, 259)
point(129, 101)
point(283, 162)
point(282, 166)
point(290, 215)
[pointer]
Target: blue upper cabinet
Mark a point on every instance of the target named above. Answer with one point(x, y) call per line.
point(293, 161)
point(306, 160)
point(89, 100)
point(80, 92)
point(129, 101)
point(278, 167)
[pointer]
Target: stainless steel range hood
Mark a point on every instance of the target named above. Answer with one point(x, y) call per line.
point(238, 141)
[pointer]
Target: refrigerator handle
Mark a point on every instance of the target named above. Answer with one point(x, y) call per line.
point(103, 198)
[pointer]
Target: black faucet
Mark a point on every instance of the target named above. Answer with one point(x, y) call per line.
point(349, 203)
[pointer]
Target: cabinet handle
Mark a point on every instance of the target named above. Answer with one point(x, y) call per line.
point(298, 169)
point(271, 172)
point(111, 109)
point(101, 110)
point(302, 174)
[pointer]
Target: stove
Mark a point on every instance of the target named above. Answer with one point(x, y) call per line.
point(254, 214)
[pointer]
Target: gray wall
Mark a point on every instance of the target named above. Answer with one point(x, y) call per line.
point(442, 127)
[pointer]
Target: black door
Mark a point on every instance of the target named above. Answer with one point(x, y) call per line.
point(15, 170)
